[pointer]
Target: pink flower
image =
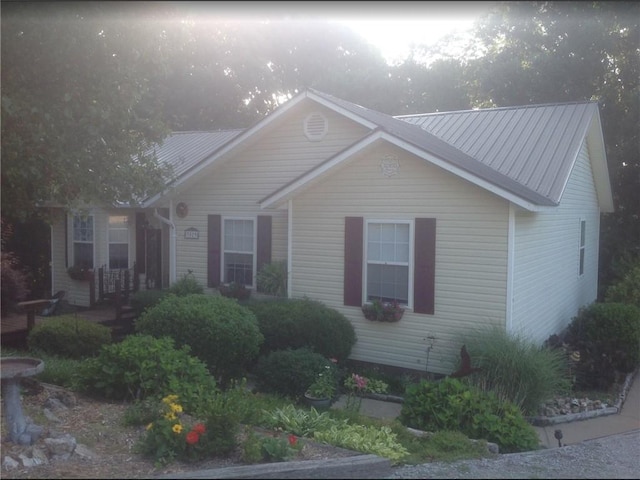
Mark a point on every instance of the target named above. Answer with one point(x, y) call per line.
point(361, 382)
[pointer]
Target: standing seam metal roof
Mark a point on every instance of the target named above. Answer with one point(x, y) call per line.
point(526, 150)
point(184, 150)
point(534, 145)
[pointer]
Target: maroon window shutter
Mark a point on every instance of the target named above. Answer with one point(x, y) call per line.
point(353, 251)
point(214, 239)
point(264, 241)
point(140, 242)
point(424, 266)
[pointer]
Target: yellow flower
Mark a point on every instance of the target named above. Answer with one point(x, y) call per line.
point(170, 416)
point(177, 428)
point(150, 426)
point(170, 399)
point(176, 408)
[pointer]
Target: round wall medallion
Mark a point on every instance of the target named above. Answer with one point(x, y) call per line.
point(182, 210)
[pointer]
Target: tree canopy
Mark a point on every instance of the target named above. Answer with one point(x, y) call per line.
point(77, 105)
point(87, 87)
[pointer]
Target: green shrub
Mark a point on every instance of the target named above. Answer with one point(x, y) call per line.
point(516, 369)
point(144, 299)
point(449, 404)
point(304, 323)
point(220, 332)
point(143, 367)
point(289, 372)
point(272, 279)
point(626, 290)
point(607, 336)
point(59, 371)
point(279, 324)
point(69, 336)
point(186, 285)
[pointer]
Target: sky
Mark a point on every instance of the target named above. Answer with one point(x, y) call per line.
point(394, 30)
point(390, 26)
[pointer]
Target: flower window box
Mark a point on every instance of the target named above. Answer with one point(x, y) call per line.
point(379, 311)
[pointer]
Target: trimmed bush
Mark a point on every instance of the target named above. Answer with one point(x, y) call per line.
point(142, 367)
point(449, 404)
point(69, 336)
point(144, 299)
point(515, 369)
point(607, 336)
point(304, 323)
point(220, 332)
point(289, 372)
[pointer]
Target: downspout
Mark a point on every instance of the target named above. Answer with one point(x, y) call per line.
point(172, 241)
point(289, 246)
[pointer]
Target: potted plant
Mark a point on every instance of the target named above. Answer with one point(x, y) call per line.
point(321, 392)
point(234, 290)
point(80, 272)
point(381, 311)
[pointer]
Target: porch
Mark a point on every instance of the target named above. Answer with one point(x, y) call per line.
point(15, 326)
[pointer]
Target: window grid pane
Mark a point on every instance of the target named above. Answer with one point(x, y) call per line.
point(388, 262)
point(238, 251)
point(83, 241)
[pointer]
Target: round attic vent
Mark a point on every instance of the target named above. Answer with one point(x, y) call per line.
point(315, 126)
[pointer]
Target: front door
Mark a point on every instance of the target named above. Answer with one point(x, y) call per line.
point(153, 260)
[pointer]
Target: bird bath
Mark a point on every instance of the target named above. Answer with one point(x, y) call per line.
point(12, 370)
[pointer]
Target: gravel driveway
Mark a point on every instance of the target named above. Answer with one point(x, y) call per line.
point(615, 456)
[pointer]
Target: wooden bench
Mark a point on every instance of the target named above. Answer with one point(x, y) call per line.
point(31, 307)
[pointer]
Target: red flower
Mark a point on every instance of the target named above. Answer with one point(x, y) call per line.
point(198, 428)
point(293, 440)
point(192, 437)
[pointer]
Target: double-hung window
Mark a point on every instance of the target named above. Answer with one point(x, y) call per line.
point(118, 241)
point(239, 251)
point(83, 241)
point(583, 234)
point(388, 254)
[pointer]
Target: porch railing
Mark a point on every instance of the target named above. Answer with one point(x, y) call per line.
point(117, 283)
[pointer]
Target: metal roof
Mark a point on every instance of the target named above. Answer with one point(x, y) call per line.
point(184, 150)
point(528, 151)
point(534, 145)
point(422, 138)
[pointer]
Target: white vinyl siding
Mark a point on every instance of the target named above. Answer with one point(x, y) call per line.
point(471, 254)
point(234, 189)
point(548, 289)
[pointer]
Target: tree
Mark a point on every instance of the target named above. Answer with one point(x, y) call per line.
point(78, 104)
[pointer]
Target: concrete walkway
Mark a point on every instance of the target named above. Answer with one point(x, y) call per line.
point(627, 420)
